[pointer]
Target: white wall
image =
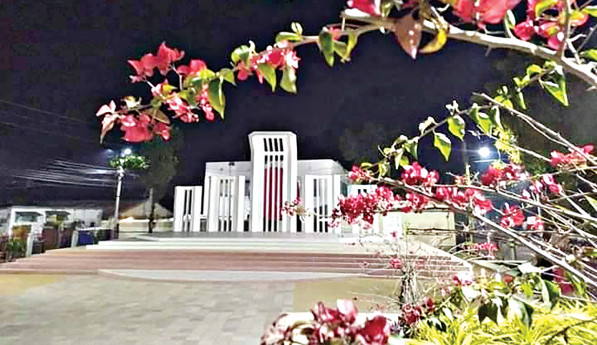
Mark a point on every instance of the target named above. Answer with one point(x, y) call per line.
point(86, 215)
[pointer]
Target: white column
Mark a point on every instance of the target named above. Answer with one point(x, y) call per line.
point(264, 147)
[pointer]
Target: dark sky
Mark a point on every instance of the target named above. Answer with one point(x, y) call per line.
point(69, 57)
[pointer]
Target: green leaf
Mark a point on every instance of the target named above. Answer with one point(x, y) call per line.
point(510, 20)
point(521, 310)
point(481, 119)
point(519, 97)
point(296, 28)
point(456, 126)
point(556, 90)
point(543, 6)
point(528, 267)
point(326, 45)
point(437, 44)
point(592, 202)
point(590, 10)
point(590, 54)
point(470, 293)
point(579, 286)
point(228, 75)
point(534, 69)
point(411, 147)
point(269, 74)
point(550, 292)
point(400, 159)
point(443, 144)
point(426, 124)
point(288, 36)
point(340, 49)
point(352, 42)
point(288, 81)
point(383, 169)
point(494, 114)
point(216, 96)
point(488, 310)
point(242, 53)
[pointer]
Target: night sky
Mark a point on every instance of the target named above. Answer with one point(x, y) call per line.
point(67, 58)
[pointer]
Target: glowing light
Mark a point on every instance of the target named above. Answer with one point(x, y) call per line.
point(127, 151)
point(484, 152)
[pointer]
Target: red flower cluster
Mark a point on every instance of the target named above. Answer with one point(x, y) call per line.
point(415, 174)
point(565, 285)
point(368, 6)
point(358, 175)
point(162, 61)
point(280, 56)
point(547, 26)
point(411, 314)
point(136, 128)
point(461, 198)
point(291, 208)
point(546, 182)
point(483, 11)
point(571, 159)
point(534, 223)
point(462, 279)
point(333, 326)
point(487, 247)
point(512, 216)
point(364, 206)
point(396, 263)
point(499, 175)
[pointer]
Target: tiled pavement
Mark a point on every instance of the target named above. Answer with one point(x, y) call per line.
point(106, 311)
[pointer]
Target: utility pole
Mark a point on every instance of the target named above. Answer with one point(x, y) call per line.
point(467, 175)
point(120, 176)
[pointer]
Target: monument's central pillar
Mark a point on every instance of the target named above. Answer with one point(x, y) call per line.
point(273, 180)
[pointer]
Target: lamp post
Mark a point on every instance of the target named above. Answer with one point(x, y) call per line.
point(120, 176)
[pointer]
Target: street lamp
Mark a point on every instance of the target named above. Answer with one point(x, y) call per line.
point(484, 152)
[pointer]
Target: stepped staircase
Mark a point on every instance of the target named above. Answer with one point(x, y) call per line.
point(240, 253)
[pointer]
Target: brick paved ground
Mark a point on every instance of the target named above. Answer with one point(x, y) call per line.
point(102, 310)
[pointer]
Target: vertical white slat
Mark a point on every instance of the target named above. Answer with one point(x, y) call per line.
point(330, 200)
point(178, 208)
point(214, 204)
point(278, 196)
point(229, 203)
point(308, 200)
point(317, 203)
point(266, 188)
point(239, 204)
point(274, 184)
point(197, 201)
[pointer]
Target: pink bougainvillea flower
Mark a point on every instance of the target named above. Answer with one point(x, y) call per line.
point(512, 216)
point(136, 130)
point(483, 11)
point(411, 314)
point(368, 6)
point(565, 285)
point(534, 223)
point(194, 67)
point(396, 263)
point(376, 331)
point(525, 30)
point(162, 130)
point(415, 174)
point(348, 310)
point(166, 56)
point(357, 174)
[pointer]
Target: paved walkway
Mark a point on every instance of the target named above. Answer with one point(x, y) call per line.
point(103, 310)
